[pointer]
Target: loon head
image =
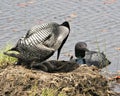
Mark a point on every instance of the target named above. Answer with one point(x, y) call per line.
point(80, 49)
point(66, 24)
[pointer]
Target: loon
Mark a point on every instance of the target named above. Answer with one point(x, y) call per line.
point(41, 42)
point(85, 56)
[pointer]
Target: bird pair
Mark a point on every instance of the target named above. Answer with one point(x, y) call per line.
point(85, 56)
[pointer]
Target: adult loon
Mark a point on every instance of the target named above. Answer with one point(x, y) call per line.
point(85, 56)
point(40, 42)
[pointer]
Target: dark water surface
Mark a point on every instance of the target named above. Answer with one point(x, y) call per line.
point(97, 22)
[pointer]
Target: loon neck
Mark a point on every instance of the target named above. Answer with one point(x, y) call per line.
point(79, 57)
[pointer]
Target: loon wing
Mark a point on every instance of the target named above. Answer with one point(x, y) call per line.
point(42, 34)
point(38, 28)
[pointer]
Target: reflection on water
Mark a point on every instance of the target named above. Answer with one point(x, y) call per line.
point(94, 21)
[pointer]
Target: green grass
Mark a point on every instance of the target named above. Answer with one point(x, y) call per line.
point(51, 92)
point(45, 91)
point(4, 59)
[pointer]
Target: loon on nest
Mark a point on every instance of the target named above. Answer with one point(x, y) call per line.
point(40, 42)
point(85, 56)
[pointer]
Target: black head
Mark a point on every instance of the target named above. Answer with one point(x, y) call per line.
point(66, 24)
point(80, 49)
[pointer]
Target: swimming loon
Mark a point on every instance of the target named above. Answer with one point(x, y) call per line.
point(85, 56)
point(41, 41)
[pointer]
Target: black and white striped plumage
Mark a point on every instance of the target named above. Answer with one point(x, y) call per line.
point(41, 41)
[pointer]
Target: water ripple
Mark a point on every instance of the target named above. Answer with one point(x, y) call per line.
point(93, 21)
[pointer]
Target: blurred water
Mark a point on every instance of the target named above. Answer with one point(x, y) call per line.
point(94, 21)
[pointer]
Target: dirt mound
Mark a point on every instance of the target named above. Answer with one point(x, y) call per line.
point(83, 81)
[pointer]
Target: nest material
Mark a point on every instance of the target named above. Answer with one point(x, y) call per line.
point(82, 81)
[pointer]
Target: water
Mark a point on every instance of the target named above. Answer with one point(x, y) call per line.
point(94, 21)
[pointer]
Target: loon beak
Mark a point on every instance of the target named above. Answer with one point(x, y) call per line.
point(86, 49)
